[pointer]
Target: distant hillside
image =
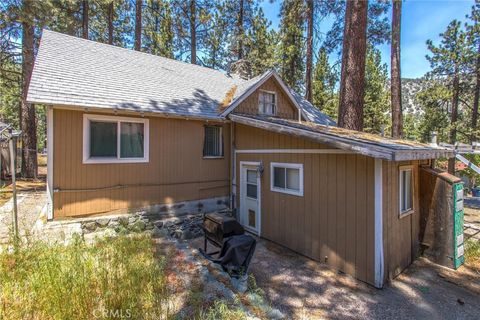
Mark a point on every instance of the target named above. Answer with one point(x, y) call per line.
point(410, 87)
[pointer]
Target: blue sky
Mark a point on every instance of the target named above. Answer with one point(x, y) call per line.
point(421, 20)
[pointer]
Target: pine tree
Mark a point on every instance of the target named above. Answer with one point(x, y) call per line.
point(447, 61)
point(396, 81)
point(377, 96)
point(352, 86)
point(216, 38)
point(473, 37)
point(292, 46)
point(323, 85)
point(138, 24)
point(158, 28)
point(260, 45)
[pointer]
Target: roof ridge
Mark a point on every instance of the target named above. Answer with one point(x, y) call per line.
point(139, 52)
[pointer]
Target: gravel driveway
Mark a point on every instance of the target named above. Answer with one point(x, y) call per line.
point(304, 289)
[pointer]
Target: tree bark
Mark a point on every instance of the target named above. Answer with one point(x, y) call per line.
point(110, 23)
point(476, 97)
point(138, 25)
point(85, 10)
point(240, 31)
point(28, 123)
point(193, 32)
point(309, 62)
point(453, 130)
point(352, 83)
point(396, 81)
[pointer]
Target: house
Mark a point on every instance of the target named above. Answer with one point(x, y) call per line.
point(131, 130)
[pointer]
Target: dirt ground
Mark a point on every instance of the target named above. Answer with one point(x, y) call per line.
point(305, 289)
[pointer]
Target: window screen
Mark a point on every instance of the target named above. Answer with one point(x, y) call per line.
point(103, 139)
point(213, 144)
point(406, 190)
point(131, 140)
point(266, 103)
point(287, 178)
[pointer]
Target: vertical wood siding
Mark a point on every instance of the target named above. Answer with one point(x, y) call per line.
point(400, 235)
point(176, 170)
point(333, 221)
point(285, 108)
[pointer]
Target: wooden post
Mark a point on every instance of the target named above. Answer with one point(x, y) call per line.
point(13, 169)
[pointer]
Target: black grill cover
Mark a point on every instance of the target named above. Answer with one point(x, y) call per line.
point(236, 253)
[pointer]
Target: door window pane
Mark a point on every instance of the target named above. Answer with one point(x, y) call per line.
point(252, 191)
point(103, 139)
point(279, 177)
point(293, 179)
point(131, 140)
point(252, 219)
point(252, 176)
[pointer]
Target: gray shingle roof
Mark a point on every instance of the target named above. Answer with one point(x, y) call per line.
point(77, 72)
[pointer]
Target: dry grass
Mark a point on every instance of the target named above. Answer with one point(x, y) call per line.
point(472, 254)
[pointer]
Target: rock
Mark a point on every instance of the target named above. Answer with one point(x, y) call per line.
point(158, 224)
point(187, 234)
point(168, 223)
point(158, 233)
point(178, 234)
point(275, 314)
point(109, 233)
point(138, 226)
point(240, 284)
point(90, 226)
point(460, 301)
point(149, 226)
point(132, 219)
point(113, 223)
point(103, 222)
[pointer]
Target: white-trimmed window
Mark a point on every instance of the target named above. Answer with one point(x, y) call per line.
point(406, 190)
point(287, 178)
point(267, 103)
point(112, 139)
point(213, 142)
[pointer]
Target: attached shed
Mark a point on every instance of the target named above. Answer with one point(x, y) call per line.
point(342, 197)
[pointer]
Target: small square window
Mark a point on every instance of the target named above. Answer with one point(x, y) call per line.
point(287, 178)
point(406, 190)
point(267, 103)
point(213, 142)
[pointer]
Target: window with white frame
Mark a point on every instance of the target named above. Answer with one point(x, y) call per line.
point(267, 103)
point(112, 139)
point(287, 178)
point(213, 142)
point(406, 190)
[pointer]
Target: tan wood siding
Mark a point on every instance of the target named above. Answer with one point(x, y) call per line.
point(285, 108)
point(400, 235)
point(176, 170)
point(248, 138)
point(333, 221)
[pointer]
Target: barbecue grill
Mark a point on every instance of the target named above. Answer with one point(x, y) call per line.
point(218, 227)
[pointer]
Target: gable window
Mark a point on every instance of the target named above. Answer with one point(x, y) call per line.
point(111, 139)
point(287, 178)
point(267, 103)
point(406, 190)
point(213, 142)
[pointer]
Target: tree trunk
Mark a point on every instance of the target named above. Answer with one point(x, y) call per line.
point(476, 97)
point(453, 130)
point(352, 83)
point(138, 25)
point(309, 62)
point(240, 31)
point(193, 32)
point(110, 23)
point(396, 81)
point(85, 18)
point(28, 123)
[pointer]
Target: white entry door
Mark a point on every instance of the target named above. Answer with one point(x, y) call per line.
point(250, 197)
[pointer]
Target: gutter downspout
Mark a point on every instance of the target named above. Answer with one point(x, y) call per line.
point(233, 167)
